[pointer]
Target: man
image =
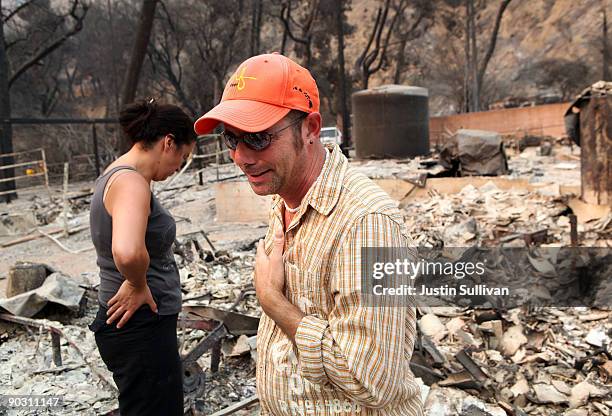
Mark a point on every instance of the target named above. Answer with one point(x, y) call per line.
point(320, 349)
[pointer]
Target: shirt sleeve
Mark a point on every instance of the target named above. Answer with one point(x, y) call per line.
point(358, 347)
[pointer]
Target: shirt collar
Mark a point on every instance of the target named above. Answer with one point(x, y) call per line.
point(325, 191)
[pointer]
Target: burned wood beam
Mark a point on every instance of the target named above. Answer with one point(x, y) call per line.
point(474, 369)
point(57, 351)
point(39, 235)
point(428, 375)
point(484, 315)
point(237, 406)
point(214, 250)
point(236, 323)
point(215, 356)
point(37, 323)
point(461, 380)
point(573, 230)
point(209, 342)
point(438, 359)
point(537, 237)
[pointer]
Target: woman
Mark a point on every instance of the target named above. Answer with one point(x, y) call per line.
point(140, 293)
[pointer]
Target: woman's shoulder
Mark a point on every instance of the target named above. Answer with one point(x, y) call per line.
point(126, 186)
point(130, 180)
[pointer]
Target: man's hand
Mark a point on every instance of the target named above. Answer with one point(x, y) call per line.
point(127, 300)
point(270, 270)
point(270, 283)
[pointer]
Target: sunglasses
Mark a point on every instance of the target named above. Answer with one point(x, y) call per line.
point(255, 141)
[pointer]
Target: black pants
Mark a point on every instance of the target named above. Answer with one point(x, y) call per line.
point(143, 357)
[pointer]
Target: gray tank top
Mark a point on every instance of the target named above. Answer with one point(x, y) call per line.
point(162, 275)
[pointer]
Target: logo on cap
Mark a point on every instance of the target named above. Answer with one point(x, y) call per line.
point(240, 79)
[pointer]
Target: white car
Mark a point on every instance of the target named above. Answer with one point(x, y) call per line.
point(331, 135)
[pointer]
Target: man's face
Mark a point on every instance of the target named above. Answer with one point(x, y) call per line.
point(276, 168)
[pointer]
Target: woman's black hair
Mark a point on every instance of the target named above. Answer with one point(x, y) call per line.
point(147, 121)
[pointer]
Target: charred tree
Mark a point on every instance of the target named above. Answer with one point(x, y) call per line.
point(139, 51)
point(344, 108)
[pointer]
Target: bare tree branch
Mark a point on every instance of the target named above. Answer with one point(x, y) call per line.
point(361, 58)
point(383, 54)
point(76, 28)
point(19, 8)
point(168, 55)
point(285, 17)
point(306, 27)
point(401, 54)
point(9, 45)
point(373, 58)
point(492, 42)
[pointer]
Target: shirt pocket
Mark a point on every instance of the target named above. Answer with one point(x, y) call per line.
point(304, 289)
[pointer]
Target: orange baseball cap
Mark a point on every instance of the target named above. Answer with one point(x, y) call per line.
point(260, 93)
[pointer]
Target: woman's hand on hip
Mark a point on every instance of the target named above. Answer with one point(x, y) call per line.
point(127, 300)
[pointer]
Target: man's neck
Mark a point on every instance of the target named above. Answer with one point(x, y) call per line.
point(294, 198)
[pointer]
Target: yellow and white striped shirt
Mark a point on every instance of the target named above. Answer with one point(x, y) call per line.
point(348, 358)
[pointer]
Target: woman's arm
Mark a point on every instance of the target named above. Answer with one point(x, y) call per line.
point(128, 203)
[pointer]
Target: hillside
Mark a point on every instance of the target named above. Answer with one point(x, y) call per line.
point(545, 47)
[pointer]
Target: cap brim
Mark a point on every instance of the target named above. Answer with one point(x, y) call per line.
point(246, 115)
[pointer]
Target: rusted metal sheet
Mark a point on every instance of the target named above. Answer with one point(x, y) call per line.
point(589, 123)
point(596, 147)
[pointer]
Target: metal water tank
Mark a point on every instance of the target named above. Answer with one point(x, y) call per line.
point(391, 121)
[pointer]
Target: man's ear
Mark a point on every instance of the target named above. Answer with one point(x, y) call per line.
point(313, 125)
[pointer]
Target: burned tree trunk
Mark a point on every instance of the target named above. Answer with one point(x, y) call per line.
point(141, 42)
point(605, 49)
point(6, 134)
point(139, 50)
point(256, 14)
point(346, 121)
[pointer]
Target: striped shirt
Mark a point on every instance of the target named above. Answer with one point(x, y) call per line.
point(348, 358)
